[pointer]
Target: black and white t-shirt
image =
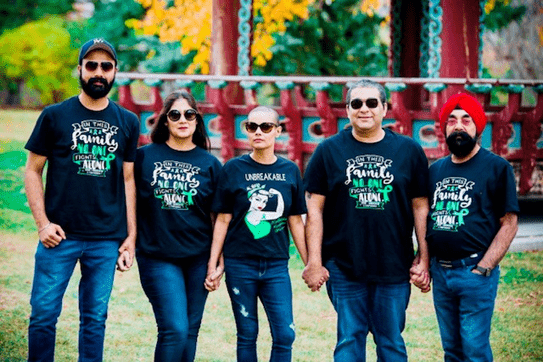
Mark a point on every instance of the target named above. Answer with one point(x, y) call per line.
point(85, 151)
point(467, 201)
point(260, 199)
point(174, 194)
point(368, 215)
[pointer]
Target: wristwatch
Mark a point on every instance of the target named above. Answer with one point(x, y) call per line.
point(484, 271)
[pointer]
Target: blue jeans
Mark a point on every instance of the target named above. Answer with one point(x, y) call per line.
point(464, 303)
point(367, 307)
point(267, 279)
point(178, 296)
point(53, 270)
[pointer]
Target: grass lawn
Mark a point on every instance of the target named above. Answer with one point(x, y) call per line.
point(131, 332)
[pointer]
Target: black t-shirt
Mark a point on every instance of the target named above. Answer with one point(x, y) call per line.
point(85, 152)
point(467, 201)
point(175, 190)
point(368, 215)
point(260, 199)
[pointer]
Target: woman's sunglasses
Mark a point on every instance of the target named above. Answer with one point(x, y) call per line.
point(265, 127)
point(91, 66)
point(174, 115)
point(358, 103)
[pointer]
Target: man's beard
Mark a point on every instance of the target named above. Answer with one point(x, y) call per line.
point(461, 144)
point(94, 90)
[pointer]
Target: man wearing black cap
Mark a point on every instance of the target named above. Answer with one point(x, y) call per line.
point(87, 212)
point(471, 223)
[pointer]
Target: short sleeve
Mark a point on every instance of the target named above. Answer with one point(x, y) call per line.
point(509, 191)
point(298, 206)
point(134, 133)
point(420, 175)
point(138, 164)
point(216, 168)
point(315, 177)
point(41, 137)
point(223, 201)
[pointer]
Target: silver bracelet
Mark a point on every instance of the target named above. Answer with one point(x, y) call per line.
point(43, 228)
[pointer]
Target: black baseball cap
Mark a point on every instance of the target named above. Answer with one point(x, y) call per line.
point(97, 44)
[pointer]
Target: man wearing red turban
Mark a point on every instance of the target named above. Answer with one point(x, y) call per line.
point(471, 223)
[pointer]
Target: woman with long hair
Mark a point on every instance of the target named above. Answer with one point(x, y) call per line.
point(259, 198)
point(176, 178)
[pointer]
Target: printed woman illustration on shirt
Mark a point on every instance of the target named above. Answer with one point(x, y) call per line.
point(257, 220)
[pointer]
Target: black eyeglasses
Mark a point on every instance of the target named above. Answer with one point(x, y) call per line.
point(91, 66)
point(174, 115)
point(266, 127)
point(358, 103)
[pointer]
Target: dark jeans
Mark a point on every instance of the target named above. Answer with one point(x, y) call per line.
point(178, 296)
point(464, 304)
point(53, 270)
point(367, 307)
point(268, 279)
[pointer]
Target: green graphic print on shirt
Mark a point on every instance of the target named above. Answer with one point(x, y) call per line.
point(176, 183)
point(95, 147)
point(260, 221)
point(451, 202)
point(371, 181)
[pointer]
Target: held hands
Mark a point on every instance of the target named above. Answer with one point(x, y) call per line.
point(214, 276)
point(420, 277)
point(315, 276)
point(126, 254)
point(51, 235)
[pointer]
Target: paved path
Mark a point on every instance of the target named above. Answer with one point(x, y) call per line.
point(529, 235)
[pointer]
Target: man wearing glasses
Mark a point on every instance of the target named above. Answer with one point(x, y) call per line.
point(87, 212)
point(365, 191)
point(472, 222)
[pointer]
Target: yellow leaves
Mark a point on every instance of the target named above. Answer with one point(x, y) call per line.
point(262, 43)
point(280, 10)
point(151, 54)
point(369, 7)
point(39, 53)
point(189, 22)
point(540, 33)
point(489, 6)
point(385, 21)
point(146, 3)
point(200, 61)
point(131, 23)
point(274, 15)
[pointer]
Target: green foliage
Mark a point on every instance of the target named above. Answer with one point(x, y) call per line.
point(17, 12)
point(502, 15)
point(14, 211)
point(40, 54)
point(336, 39)
point(521, 268)
point(516, 276)
point(108, 22)
point(135, 52)
point(497, 95)
point(166, 57)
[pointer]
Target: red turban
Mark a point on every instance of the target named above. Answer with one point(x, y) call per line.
point(468, 104)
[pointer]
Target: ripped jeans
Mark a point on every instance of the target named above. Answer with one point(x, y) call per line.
point(247, 281)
